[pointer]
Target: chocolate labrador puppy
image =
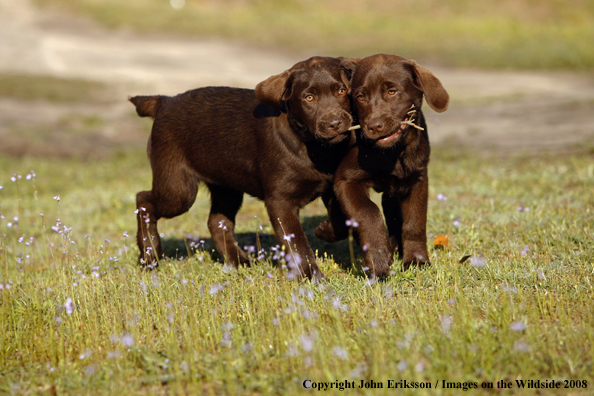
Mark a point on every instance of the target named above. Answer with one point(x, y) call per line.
point(280, 143)
point(391, 156)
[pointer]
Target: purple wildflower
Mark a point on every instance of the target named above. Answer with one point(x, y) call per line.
point(69, 306)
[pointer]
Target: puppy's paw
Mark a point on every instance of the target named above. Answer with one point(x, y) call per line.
point(148, 262)
point(393, 241)
point(325, 231)
point(378, 261)
point(318, 277)
point(419, 260)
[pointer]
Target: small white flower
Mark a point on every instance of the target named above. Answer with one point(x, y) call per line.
point(340, 353)
point(521, 346)
point(359, 370)
point(69, 305)
point(446, 323)
point(128, 340)
point(307, 342)
point(478, 261)
point(517, 326)
point(214, 289)
point(352, 223)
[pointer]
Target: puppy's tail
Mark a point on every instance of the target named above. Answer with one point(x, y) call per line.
point(147, 106)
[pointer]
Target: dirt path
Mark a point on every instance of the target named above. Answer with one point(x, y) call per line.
point(491, 111)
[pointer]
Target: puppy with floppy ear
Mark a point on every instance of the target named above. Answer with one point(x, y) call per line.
point(391, 156)
point(268, 90)
point(266, 143)
point(286, 92)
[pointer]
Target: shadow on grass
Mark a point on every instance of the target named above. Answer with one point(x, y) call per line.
point(181, 248)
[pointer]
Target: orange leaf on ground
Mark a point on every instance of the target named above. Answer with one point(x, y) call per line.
point(441, 241)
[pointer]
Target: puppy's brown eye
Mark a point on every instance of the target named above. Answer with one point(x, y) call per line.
point(361, 98)
point(341, 91)
point(309, 98)
point(392, 92)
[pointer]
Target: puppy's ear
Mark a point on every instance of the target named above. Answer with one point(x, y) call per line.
point(435, 94)
point(274, 89)
point(347, 67)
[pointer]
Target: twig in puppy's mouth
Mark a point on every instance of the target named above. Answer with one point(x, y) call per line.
point(410, 120)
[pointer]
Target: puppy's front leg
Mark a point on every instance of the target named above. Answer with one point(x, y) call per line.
point(225, 204)
point(334, 229)
point(414, 227)
point(285, 220)
point(393, 214)
point(356, 204)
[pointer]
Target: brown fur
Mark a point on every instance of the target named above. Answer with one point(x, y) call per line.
point(383, 88)
point(271, 143)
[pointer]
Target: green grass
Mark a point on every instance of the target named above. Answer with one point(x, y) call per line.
point(52, 89)
point(192, 328)
point(524, 34)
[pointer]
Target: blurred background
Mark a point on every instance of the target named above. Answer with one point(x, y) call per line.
point(520, 72)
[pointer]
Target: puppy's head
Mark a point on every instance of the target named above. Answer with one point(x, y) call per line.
point(388, 92)
point(314, 93)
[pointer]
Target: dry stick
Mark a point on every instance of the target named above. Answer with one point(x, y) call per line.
point(412, 120)
point(408, 122)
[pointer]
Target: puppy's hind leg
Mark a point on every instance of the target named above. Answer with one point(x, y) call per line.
point(225, 203)
point(174, 192)
point(147, 236)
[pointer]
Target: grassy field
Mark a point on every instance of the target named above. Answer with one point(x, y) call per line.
point(525, 34)
point(26, 87)
point(77, 315)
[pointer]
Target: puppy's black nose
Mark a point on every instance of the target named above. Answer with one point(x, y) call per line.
point(376, 124)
